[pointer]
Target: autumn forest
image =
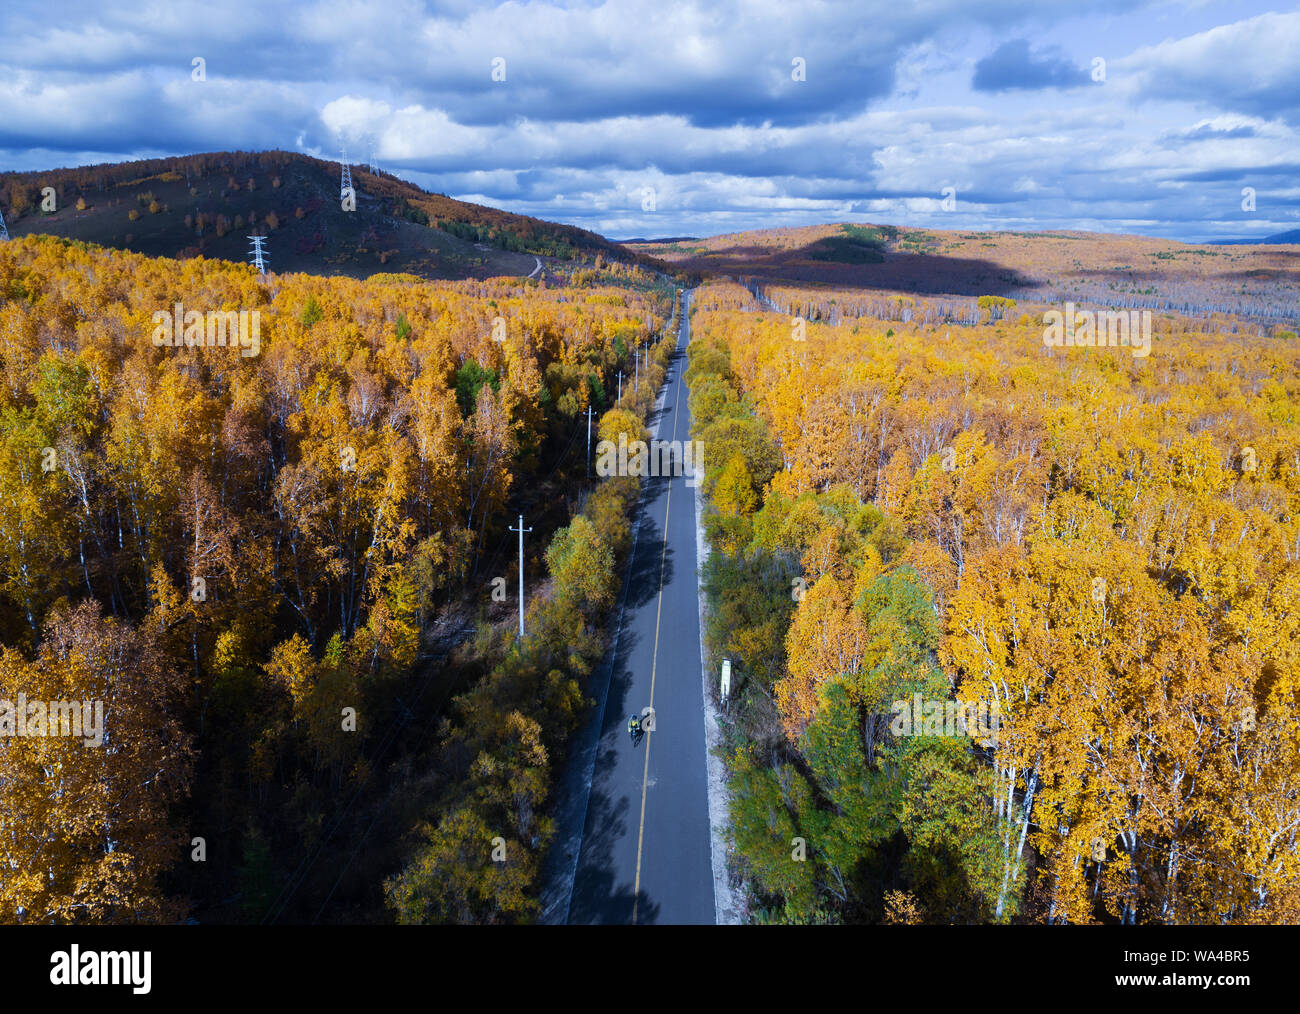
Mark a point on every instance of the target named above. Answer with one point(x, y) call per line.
point(1009, 625)
point(1100, 550)
point(268, 568)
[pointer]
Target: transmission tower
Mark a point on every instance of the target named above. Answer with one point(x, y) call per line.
point(347, 176)
point(4, 232)
point(259, 255)
point(371, 163)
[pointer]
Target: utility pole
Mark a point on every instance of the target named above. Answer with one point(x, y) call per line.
point(588, 443)
point(521, 529)
point(636, 361)
point(620, 385)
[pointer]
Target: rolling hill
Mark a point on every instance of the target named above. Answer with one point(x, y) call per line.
point(1253, 281)
point(208, 204)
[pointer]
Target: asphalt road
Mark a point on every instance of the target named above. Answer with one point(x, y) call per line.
point(645, 849)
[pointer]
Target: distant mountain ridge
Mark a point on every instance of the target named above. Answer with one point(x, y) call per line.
point(208, 204)
point(1293, 236)
point(661, 239)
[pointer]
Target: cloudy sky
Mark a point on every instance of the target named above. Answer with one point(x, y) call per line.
point(676, 117)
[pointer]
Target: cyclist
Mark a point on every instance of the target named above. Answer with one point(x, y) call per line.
point(634, 727)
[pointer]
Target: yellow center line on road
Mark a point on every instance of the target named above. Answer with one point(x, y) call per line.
point(654, 661)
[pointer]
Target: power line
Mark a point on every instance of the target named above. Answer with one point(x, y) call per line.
point(299, 875)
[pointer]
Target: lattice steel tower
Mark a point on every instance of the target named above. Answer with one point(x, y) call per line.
point(347, 177)
point(259, 255)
